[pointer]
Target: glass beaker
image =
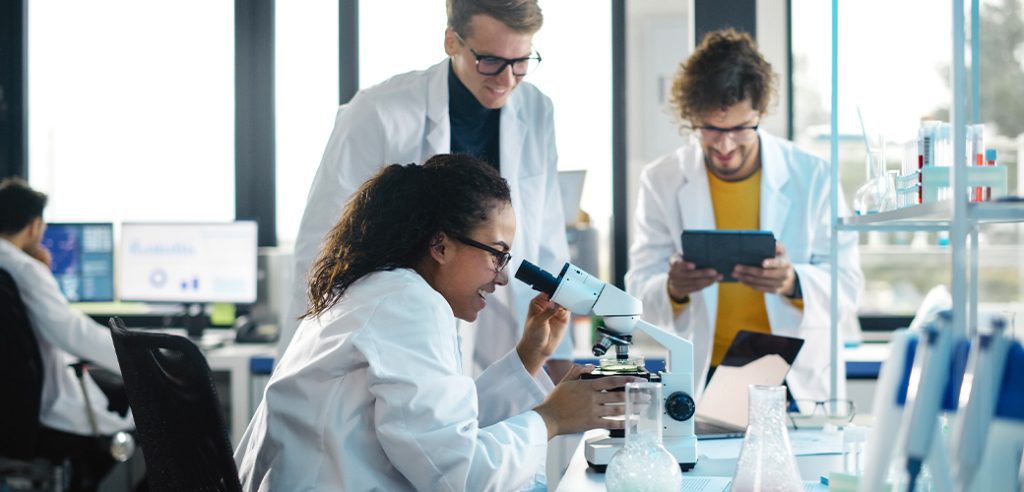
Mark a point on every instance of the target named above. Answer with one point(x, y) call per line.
point(878, 194)
point(643, 464)
point(766, 460)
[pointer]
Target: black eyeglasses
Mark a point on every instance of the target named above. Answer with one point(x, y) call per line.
point(815, 413)
point(491, 65)
point(501, 258)
point(739, 134)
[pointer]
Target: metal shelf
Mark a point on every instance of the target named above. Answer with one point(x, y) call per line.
point(936, 216)
point(928, 216)
point(996, 212)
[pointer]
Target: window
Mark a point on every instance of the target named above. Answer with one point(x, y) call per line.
point(391, 44)
point(306, 92)
point(894, 64)
point(131, 109)
point(576, 42)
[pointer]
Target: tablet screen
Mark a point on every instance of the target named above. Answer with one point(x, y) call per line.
point(723, 250)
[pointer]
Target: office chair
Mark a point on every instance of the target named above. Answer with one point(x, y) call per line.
point(33, 456)
point(177, 414)
point(21, 375)
point(21, 383)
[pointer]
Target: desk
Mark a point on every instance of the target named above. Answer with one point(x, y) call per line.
point(236, 360)
point(579, 477)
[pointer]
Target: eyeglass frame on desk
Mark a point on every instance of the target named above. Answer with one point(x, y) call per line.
point(823, 404)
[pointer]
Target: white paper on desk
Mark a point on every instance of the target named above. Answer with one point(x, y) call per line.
point(814, 442)
point(706, 484)
point(803, 443)
point(725, 398)
point(720, 449)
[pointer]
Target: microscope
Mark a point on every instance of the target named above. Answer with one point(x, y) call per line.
point(584, 294)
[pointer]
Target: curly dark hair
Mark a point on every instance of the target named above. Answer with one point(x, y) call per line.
point(725, 69)
point(394, 218)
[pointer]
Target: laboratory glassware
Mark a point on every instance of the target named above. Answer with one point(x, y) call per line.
point(766, 462)
point(878, 194)
point(643, 464)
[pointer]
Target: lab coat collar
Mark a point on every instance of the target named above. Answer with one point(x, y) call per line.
point(694, 189)
point(438, 130)
point(513, 130)
point(774, 176)
point(512, 135)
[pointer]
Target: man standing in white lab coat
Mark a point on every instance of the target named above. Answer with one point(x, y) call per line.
point(474, 102)
point(731, 175)
point(64, 336)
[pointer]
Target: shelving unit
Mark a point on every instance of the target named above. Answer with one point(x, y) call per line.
point(933, 216)
point(960, 218)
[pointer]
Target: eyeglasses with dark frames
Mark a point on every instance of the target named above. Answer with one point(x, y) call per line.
point(501, 257)
point(491, 65)
point(814, 413)
point(739, 134)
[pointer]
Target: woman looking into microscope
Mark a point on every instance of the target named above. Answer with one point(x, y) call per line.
point(371, 394)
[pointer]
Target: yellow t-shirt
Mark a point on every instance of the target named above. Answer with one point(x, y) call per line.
point(737, 206)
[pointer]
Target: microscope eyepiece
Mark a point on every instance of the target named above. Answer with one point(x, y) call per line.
point(536, 277)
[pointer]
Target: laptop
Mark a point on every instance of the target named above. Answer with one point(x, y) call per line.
point(752, 358)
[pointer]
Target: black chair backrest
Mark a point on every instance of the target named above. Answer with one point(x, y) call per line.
point(21, 375)
point(177, 412)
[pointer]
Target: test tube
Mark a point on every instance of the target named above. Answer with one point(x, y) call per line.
point(976, 156)
point(925, 150)
point(990, 160)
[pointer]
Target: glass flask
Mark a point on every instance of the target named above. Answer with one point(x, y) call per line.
point(878, 194)
point(766, 459)
point(643, 464)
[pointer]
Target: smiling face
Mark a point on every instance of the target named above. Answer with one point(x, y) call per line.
point(489, 37)
point(465, 275)
point(727, 155)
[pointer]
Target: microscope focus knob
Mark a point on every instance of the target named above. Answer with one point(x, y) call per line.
point(680, 406)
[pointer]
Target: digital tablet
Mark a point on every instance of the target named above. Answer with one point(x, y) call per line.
point(723, 250)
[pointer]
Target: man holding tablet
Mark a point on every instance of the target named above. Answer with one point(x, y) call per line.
point(732, 176)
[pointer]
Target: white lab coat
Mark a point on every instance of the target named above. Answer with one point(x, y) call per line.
point(370, 396)
point(64, 335)
point(795, 205)
point(404, 120)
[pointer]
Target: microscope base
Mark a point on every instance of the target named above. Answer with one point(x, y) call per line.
point(599, 451)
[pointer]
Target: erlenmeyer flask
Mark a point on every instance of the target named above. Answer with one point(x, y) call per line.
point(766, 459)
point(643, 464)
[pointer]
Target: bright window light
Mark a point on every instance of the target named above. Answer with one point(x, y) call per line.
point(131, 109)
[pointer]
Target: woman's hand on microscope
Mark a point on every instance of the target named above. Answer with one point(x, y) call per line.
point(546, 323)
point(577, 405)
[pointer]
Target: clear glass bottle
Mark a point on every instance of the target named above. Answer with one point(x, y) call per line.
point(766, 460)
point(643, 464)
point(878, 194)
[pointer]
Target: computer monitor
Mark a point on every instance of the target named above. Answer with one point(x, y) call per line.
point(188, 263)
point(83, 259)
